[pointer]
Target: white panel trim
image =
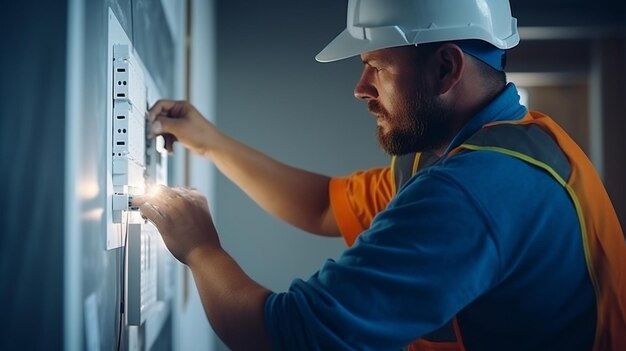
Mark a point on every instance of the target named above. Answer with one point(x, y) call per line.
point(72, 289)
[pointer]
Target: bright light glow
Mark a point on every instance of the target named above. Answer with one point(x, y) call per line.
point(153, 190)
point(93, 215)
point(88, 189)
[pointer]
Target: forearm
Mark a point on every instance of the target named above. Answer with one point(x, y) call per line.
point(234, 303)
point(294, 195)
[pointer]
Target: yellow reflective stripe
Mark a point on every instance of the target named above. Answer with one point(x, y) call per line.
point(573, 196)
point(416, 162)
point(590, 267)
point(520, 156)
point(393, 173)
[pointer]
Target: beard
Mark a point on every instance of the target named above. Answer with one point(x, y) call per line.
point(421, 123)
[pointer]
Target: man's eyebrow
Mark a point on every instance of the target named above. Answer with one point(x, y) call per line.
point(375, 60)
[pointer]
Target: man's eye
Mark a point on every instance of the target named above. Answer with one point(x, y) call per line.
point(376, 68)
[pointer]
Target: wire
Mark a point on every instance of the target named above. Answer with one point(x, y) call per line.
point(122, 282)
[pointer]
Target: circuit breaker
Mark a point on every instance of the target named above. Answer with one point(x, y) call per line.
point(129, 136)
point(129, 172)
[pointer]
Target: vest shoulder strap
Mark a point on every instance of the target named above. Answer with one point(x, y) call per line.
point(528, 142)
point(405, 166)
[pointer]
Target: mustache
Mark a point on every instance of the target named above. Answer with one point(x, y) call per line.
point(375, 108)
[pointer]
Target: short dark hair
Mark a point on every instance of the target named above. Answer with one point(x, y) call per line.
point(494, 80)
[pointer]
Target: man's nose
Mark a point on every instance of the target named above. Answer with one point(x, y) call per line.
point(364, 89)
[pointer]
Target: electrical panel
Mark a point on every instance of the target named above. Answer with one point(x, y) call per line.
point(141, 273)
point(136, 161)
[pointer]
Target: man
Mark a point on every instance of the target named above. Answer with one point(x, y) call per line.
point(491, 230)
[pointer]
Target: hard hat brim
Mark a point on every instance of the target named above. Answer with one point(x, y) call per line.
point(345, 45)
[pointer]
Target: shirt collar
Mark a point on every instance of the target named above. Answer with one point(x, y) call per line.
point(506, 106)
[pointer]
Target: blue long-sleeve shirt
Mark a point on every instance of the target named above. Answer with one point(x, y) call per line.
point(480, 235)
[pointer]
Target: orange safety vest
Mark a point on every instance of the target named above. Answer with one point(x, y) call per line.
point(538, 140)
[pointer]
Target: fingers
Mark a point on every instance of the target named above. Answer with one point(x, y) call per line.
point(161, 107)
point(154, 214)
point(163, 123)
point(165, 206)
point(182, 218)
point(160, 124)
point(167, 117)
point(156, 127)
point(169, 142)
point(163, 199)
point(138, 200)
point(155, 205)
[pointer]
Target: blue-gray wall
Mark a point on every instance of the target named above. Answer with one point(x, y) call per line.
point(274, 96)
point(32, 131)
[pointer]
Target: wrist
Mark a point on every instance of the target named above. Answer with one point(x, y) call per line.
point(212, 140)
point(199, 256)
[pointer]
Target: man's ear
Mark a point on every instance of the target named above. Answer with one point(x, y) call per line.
point(450, 64)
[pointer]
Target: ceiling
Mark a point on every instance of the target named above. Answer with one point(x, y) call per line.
point(569, 13)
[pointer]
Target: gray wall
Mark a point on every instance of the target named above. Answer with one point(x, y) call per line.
point(274, 96)
point(191, 328)
point(32, 96)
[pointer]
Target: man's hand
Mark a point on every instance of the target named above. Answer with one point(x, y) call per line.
point(179, 120)
point(234, 303)
point(183, 219)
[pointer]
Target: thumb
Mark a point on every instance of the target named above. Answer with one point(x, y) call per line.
point(138, 200)
point(169, 128)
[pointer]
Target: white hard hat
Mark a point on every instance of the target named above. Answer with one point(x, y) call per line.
point(379, 24)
